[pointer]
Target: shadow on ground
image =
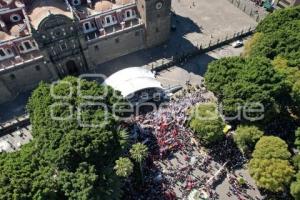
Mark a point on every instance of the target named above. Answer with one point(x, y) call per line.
point(176, 45)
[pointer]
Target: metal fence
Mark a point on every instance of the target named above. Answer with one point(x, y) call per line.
point(248, 7)
point(201, 49)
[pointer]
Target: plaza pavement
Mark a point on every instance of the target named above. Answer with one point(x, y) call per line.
point(197, 23)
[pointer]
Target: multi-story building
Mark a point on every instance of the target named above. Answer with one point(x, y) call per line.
point(49, 39)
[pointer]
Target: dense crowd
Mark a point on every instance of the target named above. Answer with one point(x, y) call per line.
point(176, 164)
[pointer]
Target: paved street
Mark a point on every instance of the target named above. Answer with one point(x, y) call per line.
point(13, 141)
point(194, 69)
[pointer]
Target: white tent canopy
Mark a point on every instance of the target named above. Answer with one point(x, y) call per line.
point(131, 80)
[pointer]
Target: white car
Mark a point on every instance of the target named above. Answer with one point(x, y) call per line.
point(237, 44)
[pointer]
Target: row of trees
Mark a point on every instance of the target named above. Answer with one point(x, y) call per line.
point(267, 74)
point(68, 160)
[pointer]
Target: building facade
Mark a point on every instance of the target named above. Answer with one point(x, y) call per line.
point(49, 39)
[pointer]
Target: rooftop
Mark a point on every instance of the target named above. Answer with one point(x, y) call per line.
point(41, 9)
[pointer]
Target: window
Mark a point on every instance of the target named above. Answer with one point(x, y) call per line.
point(5, 53)
point(8, 51)
point(107, 20)
point(2, 53)
point(128, 14)
point(12, 76)
point(88, 27)
point(27, 45)
point(15, 18)
point(37, 68)
point(21, 48)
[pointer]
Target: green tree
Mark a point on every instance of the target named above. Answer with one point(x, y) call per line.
point(123, 167)
point(139, 153)
point(245, 84)
point(250, 43)
point(66, 159)
point(246, 137)
point(270, 165)
point(297, 140)
point(295, 187)
point(207, 123)
point(239, 81)
point(271, 174)
point(269, 147)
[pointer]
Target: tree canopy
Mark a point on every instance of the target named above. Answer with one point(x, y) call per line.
point(268, 73)
point(271, 147)
point(285, 53)
point(297, 140)
point(206, 122)
point(123, 167)
point(273, 174)
point(246, 137)
point(70, 158)
point(295, 187)
point(243, 83)
point(270, 165)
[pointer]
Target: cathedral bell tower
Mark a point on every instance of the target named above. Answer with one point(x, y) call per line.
point(156, 15)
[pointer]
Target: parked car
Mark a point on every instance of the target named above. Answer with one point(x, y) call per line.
point(237, 43)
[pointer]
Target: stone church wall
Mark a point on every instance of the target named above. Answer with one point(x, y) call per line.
point(22, 78)
point(115, 45)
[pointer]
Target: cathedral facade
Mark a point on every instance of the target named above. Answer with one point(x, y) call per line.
point(49, 39)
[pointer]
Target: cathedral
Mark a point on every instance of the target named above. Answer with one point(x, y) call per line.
point(49, 39)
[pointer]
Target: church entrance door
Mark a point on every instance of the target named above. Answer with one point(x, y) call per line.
point(72, 68)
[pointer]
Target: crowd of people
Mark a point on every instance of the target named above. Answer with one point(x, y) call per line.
point(177, 164)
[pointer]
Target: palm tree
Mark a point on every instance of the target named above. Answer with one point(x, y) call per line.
point(123, 167)
point(139, 152)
